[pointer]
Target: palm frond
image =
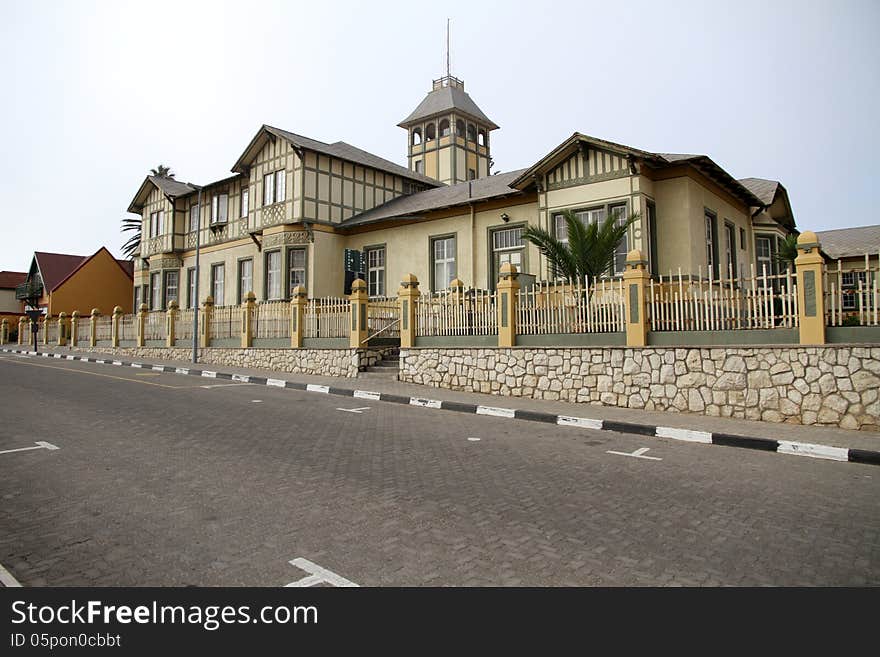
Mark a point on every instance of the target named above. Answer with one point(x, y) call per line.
point(556, 252)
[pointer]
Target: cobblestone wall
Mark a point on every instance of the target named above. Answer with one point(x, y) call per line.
point(832, 386)
point(323, 362)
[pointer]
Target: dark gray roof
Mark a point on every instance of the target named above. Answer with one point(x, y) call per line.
point(850, 242)
point(443, 197)
point(351, 153)
point(763, 189)
point(171, 187)
point(445, 99)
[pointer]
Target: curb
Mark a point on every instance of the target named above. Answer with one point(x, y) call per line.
point(827, 452)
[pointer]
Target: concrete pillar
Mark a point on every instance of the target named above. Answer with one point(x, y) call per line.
point(247, 311)
point(407, 296)
point(170, 323)
point(74, 328)
point(21, 323)
point(46, 321)
point(62, 329)
point(115, 321)
point(205, 322)
point(359, 300)
point(93, 327)
point(4, 331)
point(508, 297)
point(142, 324)
point(809, 266)
point(635, 282)
point(298, 301)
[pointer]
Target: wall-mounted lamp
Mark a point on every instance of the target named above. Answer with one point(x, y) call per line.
point(505, 217)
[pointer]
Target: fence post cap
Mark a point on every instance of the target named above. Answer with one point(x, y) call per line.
point(299, 292)
point(409, 280)
point(172, 305)
point(95, 312)
point(250, 297)
point(143, 308)
point(74, 314)
point(456, 283)
point(117, 310)
point(508, 271)
point(5, 321)
point(807, 240)
point(358, 284)
point(62, 315)
point(635, 258)
point(209, 301)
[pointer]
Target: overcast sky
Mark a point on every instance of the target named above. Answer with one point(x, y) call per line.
point(97, 93)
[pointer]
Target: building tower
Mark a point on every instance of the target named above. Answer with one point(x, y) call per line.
point(448, 135)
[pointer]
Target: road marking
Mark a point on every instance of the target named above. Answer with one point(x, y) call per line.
point(181, 370)
point(814, 451)
point(278, 383)
point(314, 387)
point(40, 444)
point(256, 401)
point(473, 440)
point(137, 365)
point(582, 422)
point(317, 575)
point(366, 394)
point(684, 434)
point(106, 376)
point(148, 374)
point(497, 412)
point(354, 410)
point(157, 368)
point(637, 454)
point(7, 579)
point(208, 374)
point(241, 378)
point(427, 403)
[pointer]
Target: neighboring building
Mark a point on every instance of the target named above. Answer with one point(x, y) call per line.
point(66, 282)
point(854, 258)
point(295, 205)
point(10, 307)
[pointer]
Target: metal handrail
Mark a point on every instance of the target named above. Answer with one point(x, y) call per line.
point(382, 330)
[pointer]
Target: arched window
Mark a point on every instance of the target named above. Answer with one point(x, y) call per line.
point(416, 136)
point(444, 128)
point(472, 132)
point(459, 128)
point(481, 138)
point(430, 132)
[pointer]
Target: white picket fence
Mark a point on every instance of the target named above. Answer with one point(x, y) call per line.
point(328, 317)
point(271, 320)
point(472, 312)
point(574, 306)
point(183, 324)
point(103, 327)
point(128, 327)
point(225, 322)
point(758, 301)
point(853, 294)
point(83, 326)
point(383, 314)
point(154, 325)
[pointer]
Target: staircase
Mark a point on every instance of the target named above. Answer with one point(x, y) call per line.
point(386, 369)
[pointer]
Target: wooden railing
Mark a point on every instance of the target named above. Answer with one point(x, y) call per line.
point(470, 312)
point(852, 293)
point(329, 317)
point(225, 322)
point(271, 319)
point(574, 306)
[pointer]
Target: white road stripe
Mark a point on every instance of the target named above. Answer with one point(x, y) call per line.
point(7, 579)
point(317, 574)
point(117, 362)
point(639, 454)
point(314, 387)
point(366, 394)
point(278, 383)
point(427, 403)
point(137, 365)
point(209, 375)
point(40, 444)
point(684, 434)
point(582, 422)
point(69, 357)
point(814, 451)
point(497, 412)
point(181, 370)
point(159, 368)
point(241, 377)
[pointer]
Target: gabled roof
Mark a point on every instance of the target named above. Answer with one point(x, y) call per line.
point(850, 242)
point(446, 99)
point(702, 163)
point(56, 268)
point(9, 279)
point(339, 149)
point(168, 186)
point(764, 189)
point(406, 207)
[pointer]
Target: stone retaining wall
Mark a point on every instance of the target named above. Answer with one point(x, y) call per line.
point(322, 362)
point(830, 386)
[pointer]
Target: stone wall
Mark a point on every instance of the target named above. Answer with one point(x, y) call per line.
point(322, 362)
point(831, 386)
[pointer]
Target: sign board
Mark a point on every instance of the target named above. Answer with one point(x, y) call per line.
point(354, 261)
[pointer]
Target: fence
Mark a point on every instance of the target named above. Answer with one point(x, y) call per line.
point(128, 327)
point(681, 303)
point(271, 320)
point(572, 307)
point(183, 324)
point(852, 295)
point(83, 326)
point(327, 318)
point(225, 322)
point(383, 315)
point(103, 327)
point(472, 312)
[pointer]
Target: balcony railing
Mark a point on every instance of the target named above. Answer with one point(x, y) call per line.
point(29, 290)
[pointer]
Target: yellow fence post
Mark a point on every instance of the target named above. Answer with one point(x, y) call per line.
point(170, 323)
point(407, 297)
point(359, 302)
point(4, 331)
point(811, 294)
point(508, 297)
point(93, 327)
point(74, 328)
point(21, 323)
point(46, 321)
point(247, 313)
point(62, 329)
point(205, 322)
point(142, 325)
point(635, 280)
point(298, 301)
point(115, 321)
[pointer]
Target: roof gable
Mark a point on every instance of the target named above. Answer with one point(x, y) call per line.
point(85, 261)
point(9, 279)
point(168, 186)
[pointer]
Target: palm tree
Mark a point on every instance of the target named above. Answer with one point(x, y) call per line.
point(590, 250)
point(133, 245)
point(787, 251)
point(162, 171)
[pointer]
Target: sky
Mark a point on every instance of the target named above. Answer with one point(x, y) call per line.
point(97, 93)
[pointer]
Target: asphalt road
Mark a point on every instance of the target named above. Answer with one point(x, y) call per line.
point(160, 480)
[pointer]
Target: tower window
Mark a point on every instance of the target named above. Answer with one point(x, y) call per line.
point(459, 128)
point(420, 166)
point(417, 136)
point(481, 137)
point(430, 132)
point(444, 128)
point(472, 175)
point(471, 132)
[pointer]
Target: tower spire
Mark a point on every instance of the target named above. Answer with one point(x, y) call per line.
point(448, 68)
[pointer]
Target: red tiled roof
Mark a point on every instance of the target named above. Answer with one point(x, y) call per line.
point(127, 265)
point(9, 279)
point(55, 267)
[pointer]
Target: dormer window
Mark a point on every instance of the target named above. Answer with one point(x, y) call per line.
point(219, 209)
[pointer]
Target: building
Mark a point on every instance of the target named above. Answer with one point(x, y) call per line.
point(64, 283)
point(854, 259)
point(295, 206)
point(11, 308)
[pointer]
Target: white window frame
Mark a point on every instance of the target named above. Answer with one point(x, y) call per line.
point(297, 268)
point(245, 201)
point(218, 281)
point(446, 260)
point(156, 291)
point(194, 217)
point(273, 275)
point(220, 208)
point(191, 287)
point(376, 271)
point(245, 283)
point(169, 275)
point(761, 260)
point(268, 189)
point(280, 186)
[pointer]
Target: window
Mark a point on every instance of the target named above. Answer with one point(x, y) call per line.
point(171, 281)
point(444, 128)
point(218, 274)
point(191, 288)
point(621, 213)
point(193, 218)
point(481, 137)
point(156, 291)
point(507, 247)
point(849, 288)
point(280, 185)
point(472, 175)
point(730, 249)
point(420, 166)
point(471, 132)
point(157, 220)
point(416, 137)
point(245, 278)
point(220, 208)
point(853, 278)
point(586, 217)
point(273, 275)
point(296, 259)
point(274, 187)
point(711, 244)
point(742, 238)
point(137, 298)
point(597, 215)
point(376, 271)
point(764, 254)
point(459, 128)
point(430, 132)
point(245, 199)
point(442, 261)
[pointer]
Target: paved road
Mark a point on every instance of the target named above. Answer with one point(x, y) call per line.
point(162, 481)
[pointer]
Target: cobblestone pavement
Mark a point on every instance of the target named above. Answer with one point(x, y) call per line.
point(159, 480)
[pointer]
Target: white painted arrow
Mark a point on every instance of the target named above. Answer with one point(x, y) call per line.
point(639, 454)
point(354, 410)
point(40, 444)
point(317, 575)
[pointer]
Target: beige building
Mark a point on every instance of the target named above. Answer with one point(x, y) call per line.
point(296, 210)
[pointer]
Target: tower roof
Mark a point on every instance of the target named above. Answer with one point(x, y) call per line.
point(448, 94)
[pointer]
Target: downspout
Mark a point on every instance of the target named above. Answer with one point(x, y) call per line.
point(473, 239)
